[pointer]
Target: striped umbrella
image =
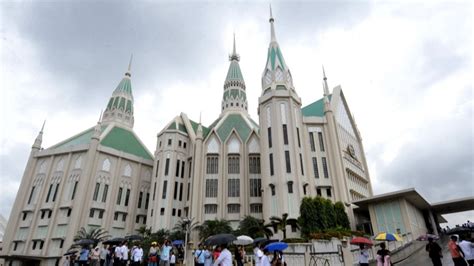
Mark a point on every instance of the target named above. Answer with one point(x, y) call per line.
point(388, 237)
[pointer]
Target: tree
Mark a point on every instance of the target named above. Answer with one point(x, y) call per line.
point(160, 235)
point(280, 223)
point(96, 234)
point(309, 220)
point(341, 216)
point(144, 231)
point(329, 214)
point(180, 228)
point(213, 227)
point(254, 227)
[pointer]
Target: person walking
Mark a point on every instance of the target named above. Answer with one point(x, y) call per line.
point(124, 252)
point(456, 252)
point(434, 251)
point(264, 260)
point(467, 248)
point(258, 254)
point(95, 257)
point(208, 256)
point(172, 259)
point(363, 255)
point(225, 257)
point(383, 256)
point(103, 255)
point(152, 255)
point(238, 256)
point(165, 253)
point(199, 256)
point(84, 256)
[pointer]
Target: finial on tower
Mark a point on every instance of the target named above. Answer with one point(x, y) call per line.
point(42, 128)
point(325, 83)
point(271, 25)
point(129, 73)
point(271, 14)
point(234, 55)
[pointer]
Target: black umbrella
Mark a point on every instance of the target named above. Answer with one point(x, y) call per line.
point(114, 241)
point(268, 241)
point(134, 238)
point(259, 239)
point(219, 239)
point(69, 253)
point(84, 242)
point(459, 230)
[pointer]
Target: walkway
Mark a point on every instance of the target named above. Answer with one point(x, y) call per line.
point(421, 256)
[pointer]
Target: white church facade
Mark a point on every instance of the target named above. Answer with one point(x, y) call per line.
point(105, 177)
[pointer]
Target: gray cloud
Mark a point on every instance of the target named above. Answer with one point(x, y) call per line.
point(81, 50)
point(438, 162)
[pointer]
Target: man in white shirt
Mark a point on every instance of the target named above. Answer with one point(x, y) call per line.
point(265, 260)
point(137, 255)
point(468, 250)
point(258, 254)
point(225, 258)
point(124, 252)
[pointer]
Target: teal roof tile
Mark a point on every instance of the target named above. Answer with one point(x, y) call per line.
point(125, 85)
point(316, 108)
point(234, 72)
point(126, 141)
point(79, 139)
point(233, 121)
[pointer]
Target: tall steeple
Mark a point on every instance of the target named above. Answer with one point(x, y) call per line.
point(120, 106)
point(235, 97)
point(39, 138)
point(276, 74)
point(325, 84)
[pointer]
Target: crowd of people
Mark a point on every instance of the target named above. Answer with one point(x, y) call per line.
point(121, 255)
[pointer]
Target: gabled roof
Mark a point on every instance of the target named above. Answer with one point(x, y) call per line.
point(79, 139)
point(316, 108)
point(116, 138)
point(242, 125)
point(124, 140)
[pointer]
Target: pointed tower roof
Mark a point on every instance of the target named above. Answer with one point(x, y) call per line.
point(276, 73)
point(39, 138)
point(120, 106)
point(235, 97)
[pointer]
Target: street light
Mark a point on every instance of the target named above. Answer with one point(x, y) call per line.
point(187, 222)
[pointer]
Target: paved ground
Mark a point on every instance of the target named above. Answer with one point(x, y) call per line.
point(420, 258)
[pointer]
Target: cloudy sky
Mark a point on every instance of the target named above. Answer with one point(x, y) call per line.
point(406, 68)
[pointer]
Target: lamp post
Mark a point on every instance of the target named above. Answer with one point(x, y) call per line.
point(187, 223)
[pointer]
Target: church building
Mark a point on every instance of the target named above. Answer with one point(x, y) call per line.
point(237, 166)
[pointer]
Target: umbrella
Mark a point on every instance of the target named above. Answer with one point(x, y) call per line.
point(84, 242)
point(361, 240)
point(426, 236)
point(257, 240)
point(243, 240)
point(113, 241)
point(219, 239)
point(177, 242)
point(388, 237)
point(69, 253)
point(276, 246)
point(134, 238)
point(459, 230)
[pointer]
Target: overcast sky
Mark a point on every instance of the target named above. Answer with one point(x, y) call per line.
point(406, 69)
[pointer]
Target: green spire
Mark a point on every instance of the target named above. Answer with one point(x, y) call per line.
point(234, 97)
point(120, 106)
point(276, 72)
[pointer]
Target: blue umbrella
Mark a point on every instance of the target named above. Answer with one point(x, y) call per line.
point(177, 242)
point(276, 246)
